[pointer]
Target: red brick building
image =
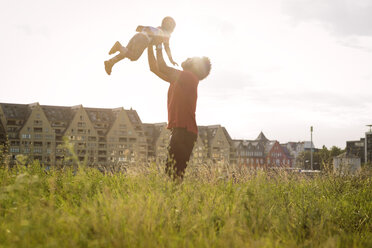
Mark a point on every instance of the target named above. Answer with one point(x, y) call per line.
point(278, 155)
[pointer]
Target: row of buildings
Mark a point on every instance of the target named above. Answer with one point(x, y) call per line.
point(101, 136)
point(361, 148)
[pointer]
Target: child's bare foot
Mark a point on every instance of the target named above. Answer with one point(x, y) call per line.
point(108, 66)
point(115, 48)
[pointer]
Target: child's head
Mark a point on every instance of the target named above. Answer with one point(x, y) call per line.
point(201, 67)
point(168, 24)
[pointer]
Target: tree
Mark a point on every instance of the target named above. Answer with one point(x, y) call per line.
point(322, 158)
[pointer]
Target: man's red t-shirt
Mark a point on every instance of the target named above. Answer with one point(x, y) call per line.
point(182, 97)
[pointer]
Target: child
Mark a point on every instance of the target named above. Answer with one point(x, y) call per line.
point(146, 36)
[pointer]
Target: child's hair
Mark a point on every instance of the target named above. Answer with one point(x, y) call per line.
point(168, 24)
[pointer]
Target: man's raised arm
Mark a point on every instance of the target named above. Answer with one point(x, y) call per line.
point(154, 65)
point(170, 72)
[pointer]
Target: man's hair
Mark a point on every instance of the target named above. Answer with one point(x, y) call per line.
point(168, 24)
point(202, 67)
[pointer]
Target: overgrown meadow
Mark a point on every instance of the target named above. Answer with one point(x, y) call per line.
point(215, 206)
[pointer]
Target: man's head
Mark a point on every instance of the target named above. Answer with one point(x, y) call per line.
point(168, 24)
point(200, 66)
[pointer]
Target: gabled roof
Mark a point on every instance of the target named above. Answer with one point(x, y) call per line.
point(269, 146)
point(285, 150)
point(97, 115)
point(105, 117)
point(133, 117)
point(227, 135)
point(245, 144)
point(236, 143)
point(58, 114)
point(16, 111)
point(262, 137)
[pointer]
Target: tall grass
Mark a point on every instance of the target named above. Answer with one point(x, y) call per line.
point(213, 207)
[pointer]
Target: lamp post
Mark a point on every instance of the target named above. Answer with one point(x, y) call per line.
point(311, 150)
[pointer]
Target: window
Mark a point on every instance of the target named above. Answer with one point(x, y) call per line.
point(38, 136)
point(49, 151)
point(38, 129)
point(38, 122)
point(26, 150)
point(26, 136)
point(81, 124)
point(14, 149)
point(38, 150)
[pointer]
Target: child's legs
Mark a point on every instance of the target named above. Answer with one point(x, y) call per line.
point(136, 46)
point(118, 57)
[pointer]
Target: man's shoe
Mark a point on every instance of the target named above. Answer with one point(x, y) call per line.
point(108, 66)
point(115, 48)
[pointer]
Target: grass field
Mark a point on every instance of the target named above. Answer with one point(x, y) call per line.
point(213, 207)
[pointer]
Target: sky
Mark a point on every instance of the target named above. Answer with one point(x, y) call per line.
point(278, 66)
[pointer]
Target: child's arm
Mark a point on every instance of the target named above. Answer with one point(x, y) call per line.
point(168, 51)
point(153, 64)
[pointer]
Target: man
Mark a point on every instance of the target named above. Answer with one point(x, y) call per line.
point(182, 98)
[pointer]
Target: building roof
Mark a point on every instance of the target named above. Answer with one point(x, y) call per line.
point(269, 146)
point(133, 117)
point(101, 118)
point(285, 150)
point(58, 114)
point(227, 135)
point(262, 137)
point(16, 111)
